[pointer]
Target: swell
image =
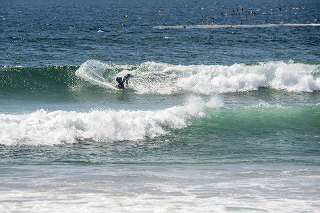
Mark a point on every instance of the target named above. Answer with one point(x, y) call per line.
point(208, 122)
point(264, 118)
point(151, 78)
point(48, 81)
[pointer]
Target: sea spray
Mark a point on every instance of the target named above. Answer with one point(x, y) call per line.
point(293, 77)
point(49, 128)
point(167, 79)
point(93, 71)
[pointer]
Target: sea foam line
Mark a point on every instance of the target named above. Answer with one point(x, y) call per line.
point(235, 26)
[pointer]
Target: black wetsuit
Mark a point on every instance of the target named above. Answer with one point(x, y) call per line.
point(119, 80)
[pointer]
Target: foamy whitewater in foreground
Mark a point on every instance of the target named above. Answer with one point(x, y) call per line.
point(49, 128)
point(149, 188)
point(221, 113)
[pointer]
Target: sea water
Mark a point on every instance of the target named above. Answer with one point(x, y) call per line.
point(221, 114)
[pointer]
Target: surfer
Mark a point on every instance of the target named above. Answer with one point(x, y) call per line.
point(121, 81)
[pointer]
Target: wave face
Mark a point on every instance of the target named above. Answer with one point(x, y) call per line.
point(195, 118)
point(50, 82)
point(161, 78)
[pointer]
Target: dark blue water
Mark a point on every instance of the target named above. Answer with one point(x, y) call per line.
point(39, 33)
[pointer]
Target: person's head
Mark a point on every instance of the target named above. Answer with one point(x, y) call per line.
point(128, 75)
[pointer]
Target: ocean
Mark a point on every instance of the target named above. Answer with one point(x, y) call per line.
point(221, 113)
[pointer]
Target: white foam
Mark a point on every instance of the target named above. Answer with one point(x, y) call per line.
point(93, 71)
point(295, 77)
point(212, 79)
point(215, 102)
point(161, 78)
point(49, 128)
point(159, 188)
point(209, 26)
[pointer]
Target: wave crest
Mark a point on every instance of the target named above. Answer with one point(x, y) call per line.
point(50, 128)
point(161, 78)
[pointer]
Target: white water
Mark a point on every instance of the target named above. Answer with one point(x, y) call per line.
point(160, 188)
point(93, 71)
point(160, 78)
point(49, 128)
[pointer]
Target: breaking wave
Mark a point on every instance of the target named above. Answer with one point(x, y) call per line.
point(161, 78)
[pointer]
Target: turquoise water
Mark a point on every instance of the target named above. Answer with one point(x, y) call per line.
point(216, 118)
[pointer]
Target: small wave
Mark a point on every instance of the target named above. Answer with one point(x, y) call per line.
point(44, 128)
point(49, 128)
